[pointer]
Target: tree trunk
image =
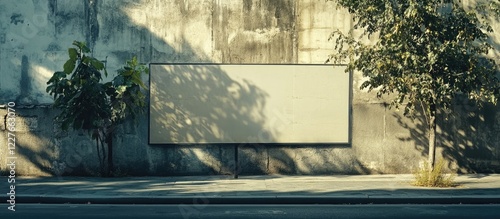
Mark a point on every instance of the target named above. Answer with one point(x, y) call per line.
point(109, 142)
point(432, 136)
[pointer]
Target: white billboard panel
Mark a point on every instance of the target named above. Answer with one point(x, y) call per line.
point(212, 103)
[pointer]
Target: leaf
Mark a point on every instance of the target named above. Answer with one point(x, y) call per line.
point(65, 125)
point(74, 97)
point(145, 70)
point(97, 64)
point(138, 81)
point(78, 44)
point(128, 72)
point(56, 76)
point(82, 46)
point(73, 54)
point(118, 80)
point(49, 88)
point(69, 66)
point(134, 61)
point(86, 60)
point(121, 89)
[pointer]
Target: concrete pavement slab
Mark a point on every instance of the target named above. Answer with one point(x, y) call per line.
point(335, 189)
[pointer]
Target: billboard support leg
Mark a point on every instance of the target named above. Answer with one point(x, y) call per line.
point(236, 162)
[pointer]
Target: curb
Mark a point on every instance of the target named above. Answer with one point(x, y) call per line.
point(203, 200)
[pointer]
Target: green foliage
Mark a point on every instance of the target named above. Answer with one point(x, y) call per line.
point(127, 98)
point(87, 103)
point(428, 51)
point(433, 177)
point(77, 91)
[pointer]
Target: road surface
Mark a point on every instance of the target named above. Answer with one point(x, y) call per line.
point(94, 211)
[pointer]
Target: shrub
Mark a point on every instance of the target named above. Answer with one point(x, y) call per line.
point(428, 177)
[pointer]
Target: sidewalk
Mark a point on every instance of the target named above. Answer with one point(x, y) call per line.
point(336, 189)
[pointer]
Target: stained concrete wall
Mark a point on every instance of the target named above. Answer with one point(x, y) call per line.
point(35, 35)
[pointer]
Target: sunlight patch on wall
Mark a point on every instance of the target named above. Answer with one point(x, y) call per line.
point(183, 27)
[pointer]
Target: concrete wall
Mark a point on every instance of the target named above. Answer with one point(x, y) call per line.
point(35, 35)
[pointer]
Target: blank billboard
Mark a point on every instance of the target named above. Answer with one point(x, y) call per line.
point(216, 103)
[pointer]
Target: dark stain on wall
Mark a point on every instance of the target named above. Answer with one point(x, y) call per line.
point(268, 14)
point(53, 6)
point(68, 19)
point(247, 5)
point(261, 31)
point(16, 18)
point(25, 82)
point(92, 25)
point(124, 55)
point(54, 47)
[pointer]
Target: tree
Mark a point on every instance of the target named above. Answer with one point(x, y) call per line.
point(427, 52)
point(89, 104)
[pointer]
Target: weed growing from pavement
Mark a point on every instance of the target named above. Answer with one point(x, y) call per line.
point(427, 177)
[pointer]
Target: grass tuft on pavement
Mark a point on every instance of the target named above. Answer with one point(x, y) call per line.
point(428, 177)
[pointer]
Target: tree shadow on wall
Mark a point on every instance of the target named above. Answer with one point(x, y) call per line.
point(202, 104)
point(192, 104)
point(468, 137)
point(206, 112)
point(205, 103)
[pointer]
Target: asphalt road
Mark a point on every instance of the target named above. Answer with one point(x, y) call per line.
point(55, 211)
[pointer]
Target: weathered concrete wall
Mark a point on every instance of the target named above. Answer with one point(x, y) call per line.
point(35, 35)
